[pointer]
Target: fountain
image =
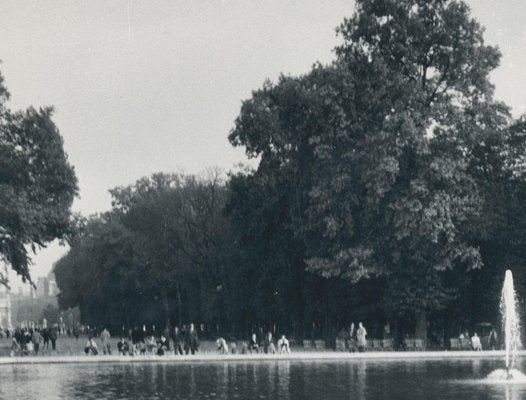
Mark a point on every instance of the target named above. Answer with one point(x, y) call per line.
point(510, 324)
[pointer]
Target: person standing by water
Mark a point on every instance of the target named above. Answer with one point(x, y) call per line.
point(351, 343)
point(192, 340)
point(361, 333)
point(105, 338)
point(14, 346)
point(178, 341)
point(76, 332)
point(53, 335)
point(475, 342)
point(253, 344)
point(493, 339)
point(36, 338)
point(268, 344)
point(45, 338)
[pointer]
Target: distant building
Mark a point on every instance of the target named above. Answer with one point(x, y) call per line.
point(27, 308)
point(5, 308)
point(46, 287)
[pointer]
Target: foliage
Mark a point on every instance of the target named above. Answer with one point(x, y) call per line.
point(37, 184)
point(146, 260)
point(390, 187)
point(379, 149)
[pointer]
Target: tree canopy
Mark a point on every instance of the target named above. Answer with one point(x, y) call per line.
point(381, 149)
point(390, 188)
point(144, 261)
point(37, 184)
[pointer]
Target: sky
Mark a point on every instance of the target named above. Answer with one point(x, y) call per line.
point(142, 86)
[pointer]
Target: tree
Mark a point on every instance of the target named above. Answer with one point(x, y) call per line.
point(181, 228)
point(37, 184)
point(379, 145)
point(269, 270)
point(497, 164)
point(159, 253)
point(98, 274)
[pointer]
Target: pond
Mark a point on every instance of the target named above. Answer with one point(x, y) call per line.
point(349, 379)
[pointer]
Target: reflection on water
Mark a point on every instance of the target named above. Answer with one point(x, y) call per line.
point(289, 380)
point(510, 393)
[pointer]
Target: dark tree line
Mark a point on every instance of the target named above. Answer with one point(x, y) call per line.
point(390, 188)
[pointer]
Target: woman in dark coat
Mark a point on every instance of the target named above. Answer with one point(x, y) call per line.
point(192, 340)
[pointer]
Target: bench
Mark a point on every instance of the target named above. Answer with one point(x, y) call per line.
point(454, 344)
point(465, 344)
point(387, 345)
point(377, 345)
point(409, 344)
point(340, 345)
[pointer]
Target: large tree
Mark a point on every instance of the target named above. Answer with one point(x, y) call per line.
point(37, 184)
point(100, 276)
point(378, 149)
point(157, 257)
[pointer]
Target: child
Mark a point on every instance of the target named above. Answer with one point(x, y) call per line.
point(91, 347)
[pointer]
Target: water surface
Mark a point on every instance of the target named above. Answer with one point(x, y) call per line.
point(360, 379)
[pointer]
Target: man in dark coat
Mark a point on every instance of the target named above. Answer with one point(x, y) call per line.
point(192, 340)
point(53, 335)
point(45, 338)
point(178, 340)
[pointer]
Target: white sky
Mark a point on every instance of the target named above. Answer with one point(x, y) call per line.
point(147, 86)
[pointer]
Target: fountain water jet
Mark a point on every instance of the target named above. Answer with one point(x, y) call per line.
point(510, 324)
point(510, 320)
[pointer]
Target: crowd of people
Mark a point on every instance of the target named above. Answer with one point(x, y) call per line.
point(474, 342)
point(33, 340)
point(355, 339)
point(183, 340)
point(265, 344)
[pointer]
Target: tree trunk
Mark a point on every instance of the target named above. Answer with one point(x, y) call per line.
point(421, 326)
point(179, 314)
point(299, 298)
point(395, 333)
point(166, 307)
